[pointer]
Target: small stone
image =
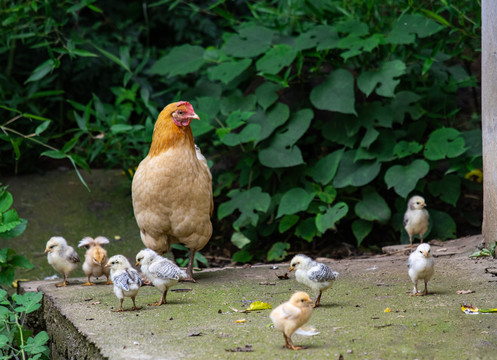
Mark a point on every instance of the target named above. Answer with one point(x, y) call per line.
point(350, 351)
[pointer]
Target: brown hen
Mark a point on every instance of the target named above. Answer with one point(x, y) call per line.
point(172, 187)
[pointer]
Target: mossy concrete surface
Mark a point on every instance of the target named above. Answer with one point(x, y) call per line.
point(200, 323)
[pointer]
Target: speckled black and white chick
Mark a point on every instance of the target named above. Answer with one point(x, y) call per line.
point(316, 275)
point(421, 267)
point(416, 218)
point(63, 258)
point(95, 258)
point(162, 272)
point(126, 280)
point(291, 315)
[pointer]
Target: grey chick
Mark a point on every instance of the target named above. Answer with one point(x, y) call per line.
point(162, 272)
point(126, 280)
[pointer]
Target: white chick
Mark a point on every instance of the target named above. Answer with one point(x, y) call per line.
point(95, 258)
point(317, 276)
point(162, 272)
point(63, 258)
point(421, 267)
point(126, 280)
point(291, 315)
point(416, 218)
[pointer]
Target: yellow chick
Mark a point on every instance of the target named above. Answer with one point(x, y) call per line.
point(95, 258)
point(63, 258)
point(291, 315)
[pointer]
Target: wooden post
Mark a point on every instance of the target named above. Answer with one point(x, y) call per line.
point(489, 119)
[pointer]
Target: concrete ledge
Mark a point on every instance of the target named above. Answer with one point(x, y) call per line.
point(200, 324)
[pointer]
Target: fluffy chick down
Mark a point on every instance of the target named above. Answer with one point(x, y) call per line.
point(421, 267)
point(95, 258)
point(63, 258)
point(291, 315)
point(126, 280)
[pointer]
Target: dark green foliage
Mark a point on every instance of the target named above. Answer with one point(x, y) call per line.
point(319, 118)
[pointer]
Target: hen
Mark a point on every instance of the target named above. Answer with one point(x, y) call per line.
point(172, 187)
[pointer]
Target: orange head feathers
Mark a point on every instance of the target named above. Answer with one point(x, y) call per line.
point(173, 127)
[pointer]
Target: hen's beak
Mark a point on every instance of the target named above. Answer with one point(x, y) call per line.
point(291, 268)
point(47, 250)
point(194, 116)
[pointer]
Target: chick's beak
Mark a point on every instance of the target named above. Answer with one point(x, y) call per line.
point(47, 250)
point(425, 253)
point(291, 268)
point(137, 263)
point(107, 265)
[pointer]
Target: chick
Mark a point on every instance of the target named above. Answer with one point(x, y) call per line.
point(63, 258)
point(291, 315)
point(317, 276)
point(126, 280)
point(162, 272)
point(421, 267)
point(95, 258)
point(416, 218)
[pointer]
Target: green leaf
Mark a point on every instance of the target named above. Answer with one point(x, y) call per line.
point(294, 201)
point(226, 72)
point(443, 226)
point(331, 216)
point(250, 41)
point(403, 148)
point(336, 93)
point(120, 128)
point(269, 121)
point(239, 240)
point(357, 173)
point(361, 229)
point(251, 132)
point(287, 222)
point(28, 302)
point(448, 189)
point(266, 94)
point(181, 60)
point(113, 58)
point(248, 203)
point(326, 168)
point(407, 27)
point(404, 178)
point(275, 59)
point(42, 127)
point(242, 256)
point(328, 195)
point(281, 151)
point(6, 200)
point(54, 154)
point(444, 143)
point(41, 71)
point(21, 262)
point(323, 37)
point(373, 207)
point(306, 229)
point(473, 141)
point(278, 251)
point(384, 79)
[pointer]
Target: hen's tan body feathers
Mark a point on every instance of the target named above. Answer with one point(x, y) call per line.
point(172, 188)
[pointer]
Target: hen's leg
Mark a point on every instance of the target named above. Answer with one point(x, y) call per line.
point(189, 269)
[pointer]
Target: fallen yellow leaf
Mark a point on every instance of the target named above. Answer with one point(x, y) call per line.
point(240, 321)
point(387, 310)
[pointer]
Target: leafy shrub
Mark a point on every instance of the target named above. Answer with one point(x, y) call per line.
point(16, 342)
point(320, 118)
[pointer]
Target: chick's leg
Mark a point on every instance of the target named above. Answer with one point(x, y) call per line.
point(109, 282)
point(88, 283)
point(410, 240)
point(64, 283)
point(134, 304)
point(426, 289)
point(318, 300)
point(415, 290)
point(290, 345)
point(162, 300)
